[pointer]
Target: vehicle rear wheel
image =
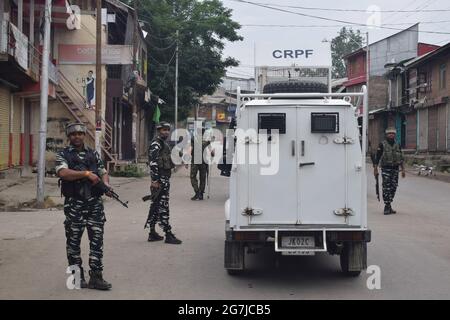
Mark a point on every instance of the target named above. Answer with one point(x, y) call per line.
point(353, 258)
point(295, 86)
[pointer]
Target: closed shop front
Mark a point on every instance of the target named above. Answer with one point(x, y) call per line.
point(423, 129)
point(16, 131)
point(375, 132)
point(441, 144)
point(411, 130)
point(448, 127)
point(432, 128)
point(437, 128)
point(4, 126)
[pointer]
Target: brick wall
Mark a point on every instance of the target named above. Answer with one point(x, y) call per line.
point(378, 92)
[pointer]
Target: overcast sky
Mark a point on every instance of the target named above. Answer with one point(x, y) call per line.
point(249, 14)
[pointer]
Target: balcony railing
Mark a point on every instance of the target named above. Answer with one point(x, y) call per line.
point(16, 44)
point(4, 37)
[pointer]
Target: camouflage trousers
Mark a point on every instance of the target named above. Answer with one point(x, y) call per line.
point(390, 183)
point(202, 169)
point(159, 209)
point(81, 214)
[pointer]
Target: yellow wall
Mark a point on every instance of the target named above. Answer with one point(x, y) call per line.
point(4, 126)
point(16, 130)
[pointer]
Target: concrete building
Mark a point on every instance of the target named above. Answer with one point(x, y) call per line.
point(72, 80)
point(384, 93)
point(74, 51)
point(20, 58)
point(427, 94)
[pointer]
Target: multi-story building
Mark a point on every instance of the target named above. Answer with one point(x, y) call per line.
point(20, 60)
point(72, 87)
point(74, 50)
point(427, 93)
point(385, 97)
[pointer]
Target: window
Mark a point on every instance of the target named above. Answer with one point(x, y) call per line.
point(424, 82)
point(272, 121)
point(442, 76)
point(327, 122)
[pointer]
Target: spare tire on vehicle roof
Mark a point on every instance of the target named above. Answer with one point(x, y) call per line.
point(297, 86)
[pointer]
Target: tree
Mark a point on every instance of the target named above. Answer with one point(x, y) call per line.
point(346, 42)
point(203, 27)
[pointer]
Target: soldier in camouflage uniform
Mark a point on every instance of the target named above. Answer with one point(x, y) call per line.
point(199, 166)
point(390, 157)
point(80, 169)
point(161, 166)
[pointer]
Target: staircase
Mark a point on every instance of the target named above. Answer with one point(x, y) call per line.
point(76, 104)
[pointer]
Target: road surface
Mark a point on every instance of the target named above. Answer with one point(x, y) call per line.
point(412, 248)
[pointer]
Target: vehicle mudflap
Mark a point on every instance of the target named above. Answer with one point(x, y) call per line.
point(354, 256)
point(234, 255)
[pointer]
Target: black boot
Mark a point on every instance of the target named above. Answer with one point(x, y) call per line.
point(387, 209)
point(96, 281)
point(83, 283)
point(393, 211)
point(195, 197)
point(200, 196)
point(154, 236)
point(170, 238)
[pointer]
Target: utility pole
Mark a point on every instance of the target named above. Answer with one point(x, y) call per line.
point(98, 79)
point(44, 106)
point(134, 104)
point(176, 83)
point(366, 134)
point(367, 61)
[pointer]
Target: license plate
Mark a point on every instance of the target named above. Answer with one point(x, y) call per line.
point(297, 242)
point(298, 253)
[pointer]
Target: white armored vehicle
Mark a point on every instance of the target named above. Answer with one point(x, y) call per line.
point(315, 202)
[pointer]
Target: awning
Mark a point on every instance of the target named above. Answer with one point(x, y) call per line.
point(379, 110)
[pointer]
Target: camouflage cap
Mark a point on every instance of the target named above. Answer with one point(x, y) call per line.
point(75, 127)
point(163, 124)
point(391, 130)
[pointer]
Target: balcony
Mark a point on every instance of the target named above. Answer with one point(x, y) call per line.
point(19, 61)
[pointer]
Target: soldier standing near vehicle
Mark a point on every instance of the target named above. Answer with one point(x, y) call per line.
point(199, 166)
point(80, 170)
point(161, 166)
point(390, 157)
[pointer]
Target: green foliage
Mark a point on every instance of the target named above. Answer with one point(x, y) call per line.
point(130, 170)
point(346, 42)
point(203, 28)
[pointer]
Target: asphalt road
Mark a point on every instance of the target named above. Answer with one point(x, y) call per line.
point(412, 249)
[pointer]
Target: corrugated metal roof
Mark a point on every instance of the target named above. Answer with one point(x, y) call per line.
point(427, 55)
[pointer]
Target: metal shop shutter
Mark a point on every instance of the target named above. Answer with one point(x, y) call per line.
point(423, 129)
point(448, 127)
point(442, 128)
point(411, 130)
point(432, 128)
point(17, 122)
point(4, 127)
